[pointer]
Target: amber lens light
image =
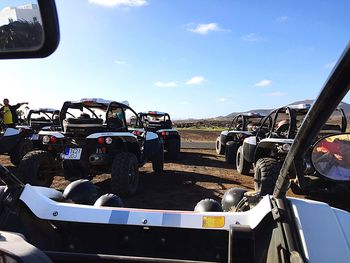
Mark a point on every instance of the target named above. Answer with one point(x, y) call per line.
point(213, 221)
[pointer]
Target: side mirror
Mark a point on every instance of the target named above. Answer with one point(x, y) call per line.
point(28, 31)
point(331, 157)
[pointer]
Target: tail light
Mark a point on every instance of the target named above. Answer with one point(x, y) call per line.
point(53, 139)
point(46, 139)
point(138, 133)
point(108, 140)
point(164, 133)
point(100, 140)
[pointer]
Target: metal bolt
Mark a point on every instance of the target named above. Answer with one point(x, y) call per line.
point(144, 221)
point(55, 213)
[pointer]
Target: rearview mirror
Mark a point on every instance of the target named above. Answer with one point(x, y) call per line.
point(28, 31)
point(331, 157)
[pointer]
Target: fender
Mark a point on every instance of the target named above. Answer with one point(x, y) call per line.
point(249, 146)
point(52, 133)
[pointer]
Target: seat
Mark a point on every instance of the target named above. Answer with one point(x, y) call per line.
point(115, 124)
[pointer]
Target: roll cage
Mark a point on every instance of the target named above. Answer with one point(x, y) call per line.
point(109, 108)
point(241, 121)
point(268, 125)
point(163, 119)
point(333, 91)
point(48, 116)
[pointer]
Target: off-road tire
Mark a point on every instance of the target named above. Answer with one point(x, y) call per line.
point(174, 148)
point(219, 147)
point(72, 171)
point(125, 174)
point(37, 168)
point(21, 149)
point(265, 175)
point(231, 152)
point(158, 159)
point(242, 165)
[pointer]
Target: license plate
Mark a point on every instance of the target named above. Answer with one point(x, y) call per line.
point(73, 154)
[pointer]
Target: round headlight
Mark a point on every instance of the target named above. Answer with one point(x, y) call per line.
point(286, 147)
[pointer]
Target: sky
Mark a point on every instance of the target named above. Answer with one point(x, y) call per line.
point(191, 58)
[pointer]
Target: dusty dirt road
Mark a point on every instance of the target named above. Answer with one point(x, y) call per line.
point(199, 174)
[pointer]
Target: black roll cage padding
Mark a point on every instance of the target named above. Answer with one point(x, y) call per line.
point(29, 119)
point(333, 91)
point(49, 17)
point(344, 120)
point(292, 121)
point(71, 105)
point(143, 114)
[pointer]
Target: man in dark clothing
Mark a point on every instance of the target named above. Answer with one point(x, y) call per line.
point(9, 114)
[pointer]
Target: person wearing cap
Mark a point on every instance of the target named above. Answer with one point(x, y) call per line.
point(9, 114)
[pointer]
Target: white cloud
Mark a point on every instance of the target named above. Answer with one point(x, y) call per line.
point(160, 84)
point(330, 65)
point(204, 29)
point(277, 94)
point(282, 18)
point(196, 80)
point(252, 37)
point(120, 62)
point(222, 99)
point(120, 3)
point(263, 83)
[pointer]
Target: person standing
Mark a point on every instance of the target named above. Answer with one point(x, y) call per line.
point(9, 114)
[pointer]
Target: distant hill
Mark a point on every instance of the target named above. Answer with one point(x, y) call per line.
point(345, 106)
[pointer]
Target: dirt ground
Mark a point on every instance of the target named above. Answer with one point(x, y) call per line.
point(198, 174)
point(199, 135)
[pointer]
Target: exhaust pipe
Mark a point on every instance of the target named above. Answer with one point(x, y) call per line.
point(99, 159)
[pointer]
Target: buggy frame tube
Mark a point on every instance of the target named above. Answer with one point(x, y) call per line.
point(335, 88)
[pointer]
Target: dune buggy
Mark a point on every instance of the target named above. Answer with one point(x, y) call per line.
point(107, 137)
point(160, 123)
point(14, 142)
point(40, 119)
point(269, 148)
point(241, 127)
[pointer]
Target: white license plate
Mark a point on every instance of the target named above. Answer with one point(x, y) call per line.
point(73, 153)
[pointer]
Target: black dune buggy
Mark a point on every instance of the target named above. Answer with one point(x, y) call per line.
point(160, 123)
point(40, 119)
point(273, 138)
point(241, 127)
point(90, 145)
point(14, 142)
point(269, 148)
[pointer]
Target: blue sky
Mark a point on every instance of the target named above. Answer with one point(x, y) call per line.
point(191, 58)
